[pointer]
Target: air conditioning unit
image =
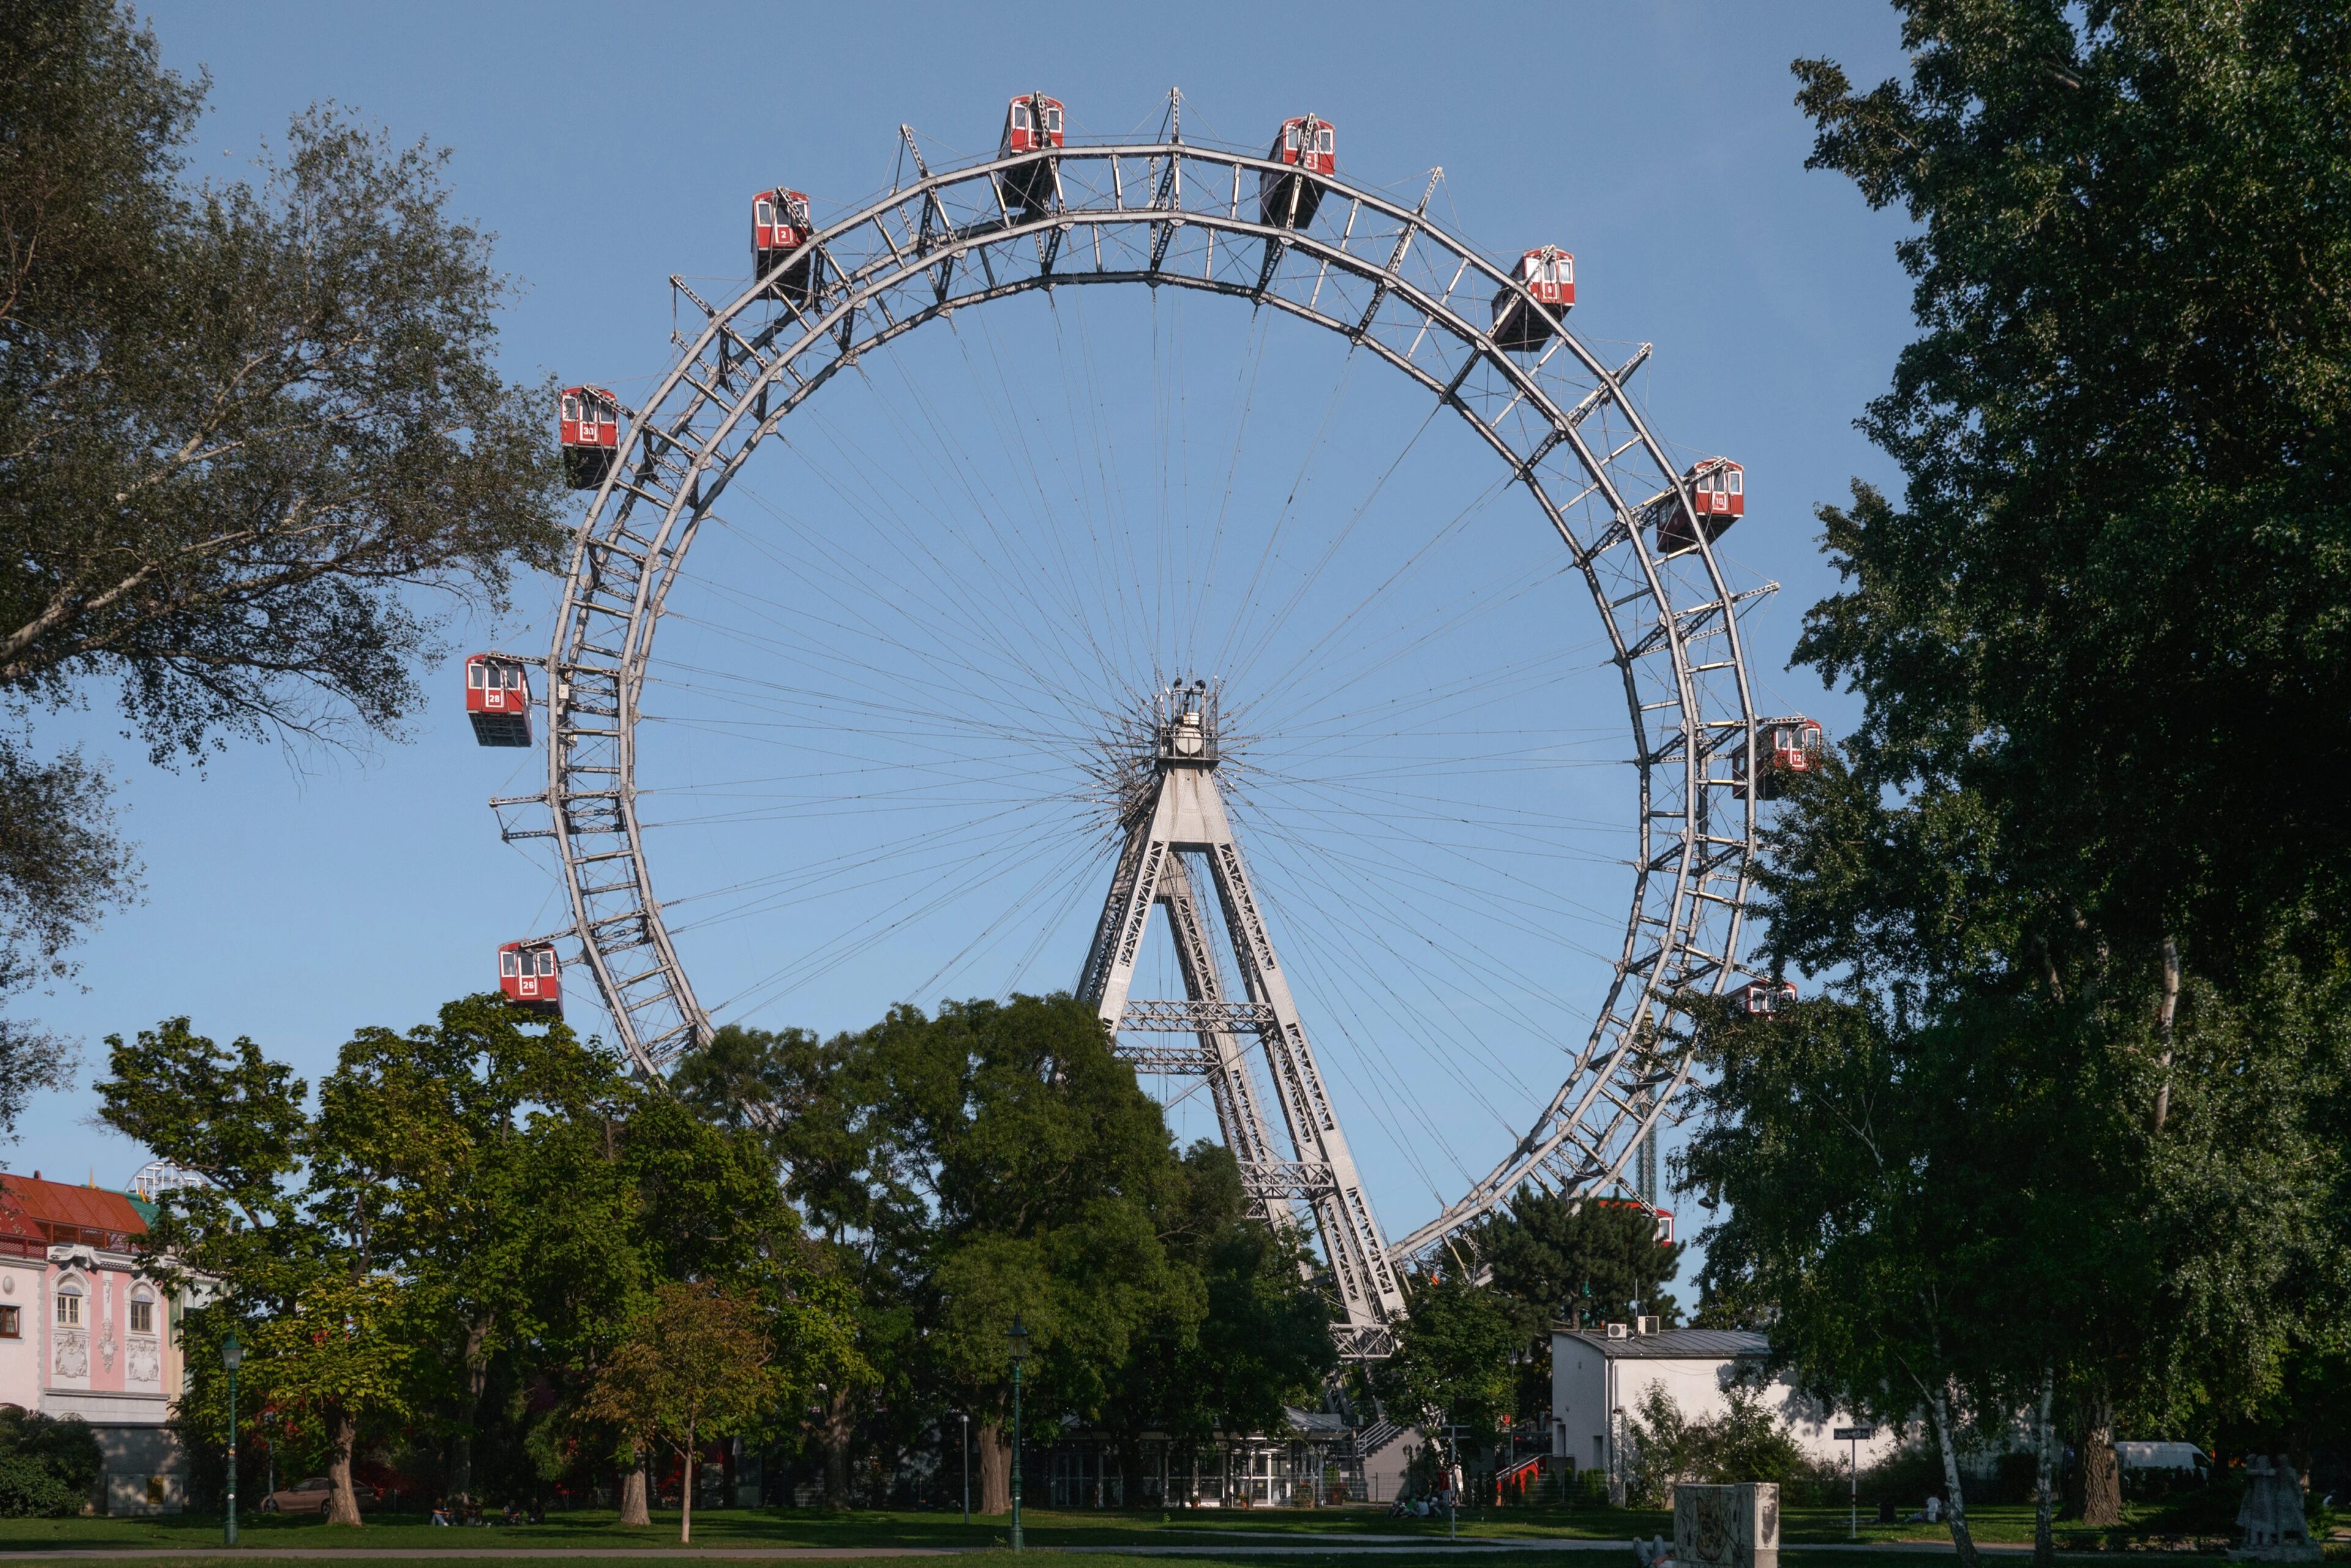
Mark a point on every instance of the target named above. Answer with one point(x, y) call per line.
point(1645, 1326)
point(1616, 1331)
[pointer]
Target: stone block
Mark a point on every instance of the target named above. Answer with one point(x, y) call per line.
point(1735, 1526)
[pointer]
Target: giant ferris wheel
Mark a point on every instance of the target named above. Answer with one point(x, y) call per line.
point(1039, 690)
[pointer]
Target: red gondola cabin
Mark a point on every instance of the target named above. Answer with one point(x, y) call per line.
point(1663, 1217)
point(1718, 493)
point(1289, 201)
point(529, 976)
point(589, 421)
point(497, 699)
point(1549, 274)
point(780, 225)
point(1763, 998)
point(1782, 747)
point(1031, 124)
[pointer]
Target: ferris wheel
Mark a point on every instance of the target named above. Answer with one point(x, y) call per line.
point(1016, 698)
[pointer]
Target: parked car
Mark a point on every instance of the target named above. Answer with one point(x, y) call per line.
point(312, 1494)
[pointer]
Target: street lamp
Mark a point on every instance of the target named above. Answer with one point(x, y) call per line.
point(232, 1357)
point(1017, 1338)
point(966, 1418)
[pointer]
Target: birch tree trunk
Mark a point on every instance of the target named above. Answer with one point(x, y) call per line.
point(685, 1495)
point(1964, 1542)
point(995, 1469)
point(2163, 1017)
point(2044, 1491)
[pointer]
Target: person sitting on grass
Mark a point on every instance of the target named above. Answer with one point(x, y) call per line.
point(441, 1512)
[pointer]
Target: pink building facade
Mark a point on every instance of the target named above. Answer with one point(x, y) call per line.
point(82, 1334)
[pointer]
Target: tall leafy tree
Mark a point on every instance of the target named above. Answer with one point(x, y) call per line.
point(2100, 647)
point(2111, 599)
point(483, 1201)
point(998, 1162)
point(1452, 1367)
point(1552, 1258)
point(248, 432)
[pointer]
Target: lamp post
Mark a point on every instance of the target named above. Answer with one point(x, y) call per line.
point(965, 1419)
point(1017, 1338)
point(232, 1357)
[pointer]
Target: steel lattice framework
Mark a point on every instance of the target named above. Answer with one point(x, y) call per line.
point(1170, 213)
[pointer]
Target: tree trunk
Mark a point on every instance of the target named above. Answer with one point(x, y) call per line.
point(2102, 1477)
point(727, 1482)
point(2163, 1016)
point(995, 1469)
point(1962, 1540)
point(342, 1503)
point(836, 1451)
point(1129, 1471)
point(477, 1378)
point(685, 1495)
point(2044, 1491)
point(632, 1495)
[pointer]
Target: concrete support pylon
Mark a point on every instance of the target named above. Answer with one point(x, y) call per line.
point(1177, 819)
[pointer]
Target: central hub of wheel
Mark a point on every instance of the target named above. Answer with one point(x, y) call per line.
point(1184, 724)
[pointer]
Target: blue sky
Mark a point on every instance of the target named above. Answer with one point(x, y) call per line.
point(295, 897)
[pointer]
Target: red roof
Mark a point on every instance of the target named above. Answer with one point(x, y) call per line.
point(47, 1207)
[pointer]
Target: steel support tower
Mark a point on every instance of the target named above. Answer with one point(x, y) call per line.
point(1175, 821)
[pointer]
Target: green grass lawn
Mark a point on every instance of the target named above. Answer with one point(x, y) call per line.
point(853, 1531)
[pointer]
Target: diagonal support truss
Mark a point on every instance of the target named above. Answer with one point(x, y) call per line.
point(1177, 819)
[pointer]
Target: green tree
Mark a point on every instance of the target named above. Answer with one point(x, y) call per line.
point(504, 1197)
point(344, 1358)
point(694, 1366)
point(2111, 601)
point(1453, 1364)
point(1865, 1199)
point(240, 427)
point(998, 1161)
point(2099, 643)
point(1236, 1340)
point(1552, 1258)
point(60, 865)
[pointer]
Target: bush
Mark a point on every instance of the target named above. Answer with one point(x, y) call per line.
point(28, 1491)
point(1746, 1442)
point(48, 1467)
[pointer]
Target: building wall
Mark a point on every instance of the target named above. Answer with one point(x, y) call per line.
point(22, 1288)
point(1589, 1388)
point(80, 1349)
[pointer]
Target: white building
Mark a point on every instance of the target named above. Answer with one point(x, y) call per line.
point(1599, 1377)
